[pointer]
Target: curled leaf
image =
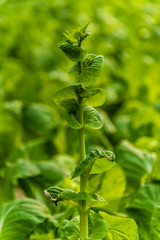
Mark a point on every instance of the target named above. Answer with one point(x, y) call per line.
point(95, 162)
point(57, 194)
point(73, 52)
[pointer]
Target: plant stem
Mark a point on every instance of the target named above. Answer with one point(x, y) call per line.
point(83, 178)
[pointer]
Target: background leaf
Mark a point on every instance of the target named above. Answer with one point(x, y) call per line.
point(120, 228)
point(19, 218)
point(146, 206)
point(135, 162)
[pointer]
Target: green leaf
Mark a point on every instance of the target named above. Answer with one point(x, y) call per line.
point(120, 228)
point(95, 162)
point(58, 194)
point(135, 162)
point(73, 52)
point(67, 95)
point(71, 115)
point(92, 67)
point(96, 97)
point(92, 118)
point(19, 218)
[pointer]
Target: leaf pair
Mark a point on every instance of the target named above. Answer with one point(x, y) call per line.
point(102, 226)
point(91, 118)
point(92, 97)
point(57, 194)
point(95, 162)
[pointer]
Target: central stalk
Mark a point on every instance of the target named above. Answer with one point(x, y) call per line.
point(83, 178)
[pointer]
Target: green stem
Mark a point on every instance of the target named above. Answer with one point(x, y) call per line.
point(83, 178)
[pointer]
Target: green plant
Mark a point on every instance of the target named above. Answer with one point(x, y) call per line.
point(79, 101)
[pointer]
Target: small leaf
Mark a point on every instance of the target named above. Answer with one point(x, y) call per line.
point(96, 97)
point(92, 118)
point(58, 194)
point(71, 115)
point(67, 95)
point(120, 228)
point(74, 53)
point(86, 25)
point(92, 67)
point(98, 161)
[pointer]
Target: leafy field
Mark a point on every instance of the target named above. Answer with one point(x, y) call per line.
point(38, 148)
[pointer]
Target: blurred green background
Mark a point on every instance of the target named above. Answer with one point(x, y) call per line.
point(37, 148)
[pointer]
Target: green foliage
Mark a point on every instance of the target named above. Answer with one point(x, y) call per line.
point(33, 133)
point(39, 119)
point(146, 205)
point(25, 214)
point(97, 228)
point(135, 162)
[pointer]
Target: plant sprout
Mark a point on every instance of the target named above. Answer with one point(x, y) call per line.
point(79, 101)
